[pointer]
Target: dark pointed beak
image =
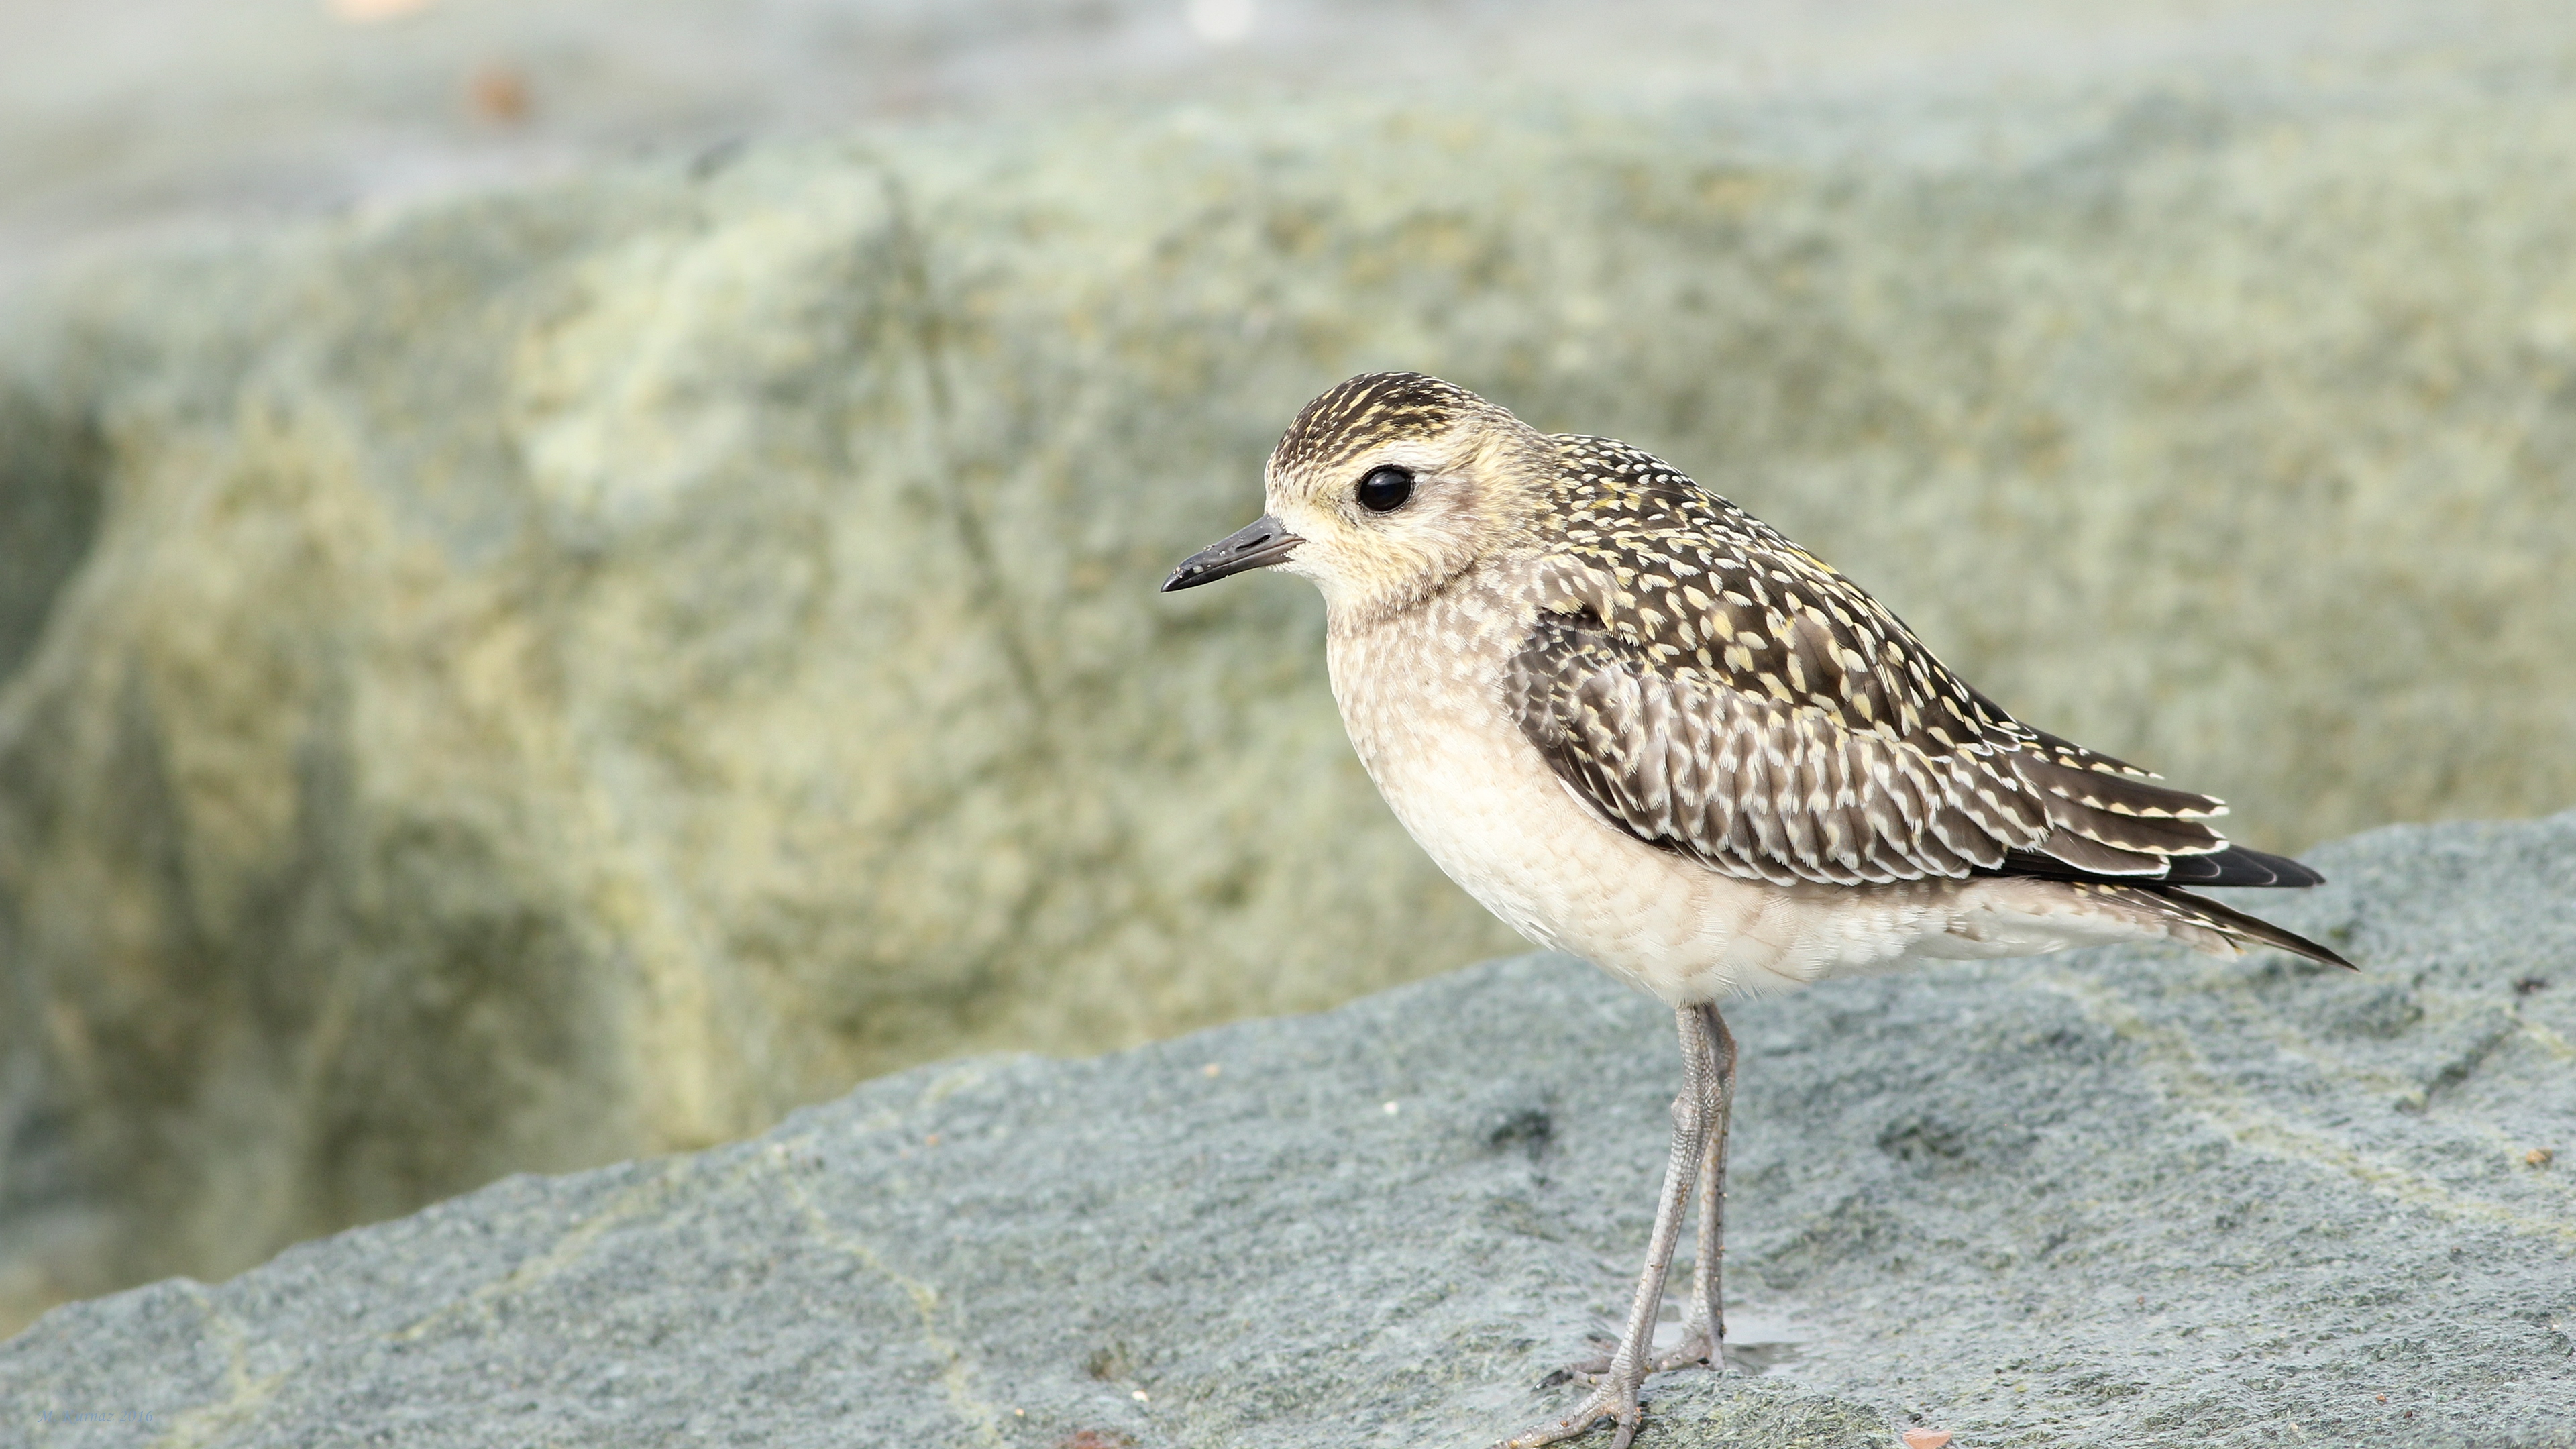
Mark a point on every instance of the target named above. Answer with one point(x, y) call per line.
point(1256, 545)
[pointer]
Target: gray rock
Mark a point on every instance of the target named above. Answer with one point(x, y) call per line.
point(150, 116)
point(566, 675)
point(2120, 1197)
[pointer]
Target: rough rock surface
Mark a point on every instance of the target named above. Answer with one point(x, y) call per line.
point(566, 675)
point(2122, 1197)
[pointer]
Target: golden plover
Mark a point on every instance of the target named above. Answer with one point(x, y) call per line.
point(1644, 727)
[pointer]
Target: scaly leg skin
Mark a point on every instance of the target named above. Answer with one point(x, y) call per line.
point(1704, 1325)
point(1616, 1398)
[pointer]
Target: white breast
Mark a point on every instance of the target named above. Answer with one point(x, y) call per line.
point(1421, 697)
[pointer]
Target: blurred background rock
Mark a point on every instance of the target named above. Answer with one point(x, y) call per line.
point(578, 575)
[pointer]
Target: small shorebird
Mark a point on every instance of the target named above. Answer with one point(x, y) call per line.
point(1644, 727)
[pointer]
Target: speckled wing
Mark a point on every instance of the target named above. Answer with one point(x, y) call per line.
point(1708, 685)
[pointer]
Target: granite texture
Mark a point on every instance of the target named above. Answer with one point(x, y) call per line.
point(2121, 1197)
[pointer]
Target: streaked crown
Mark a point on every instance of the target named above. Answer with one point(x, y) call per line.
point(1370, 409)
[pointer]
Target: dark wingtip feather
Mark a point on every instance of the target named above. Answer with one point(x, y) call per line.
point(2238, 866)
point(2234, 866)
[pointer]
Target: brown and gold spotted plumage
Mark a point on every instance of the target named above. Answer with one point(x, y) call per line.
point(1721, 692)
point(1704, 684)
point(1640, 725)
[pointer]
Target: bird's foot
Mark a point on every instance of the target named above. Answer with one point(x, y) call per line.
point(1615, 1399)
point(1695, 1349)
point(1610, 1398)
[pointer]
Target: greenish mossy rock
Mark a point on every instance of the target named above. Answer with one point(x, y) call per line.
point(551, 677)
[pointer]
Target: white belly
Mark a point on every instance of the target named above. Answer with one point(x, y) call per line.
point(1495, 817)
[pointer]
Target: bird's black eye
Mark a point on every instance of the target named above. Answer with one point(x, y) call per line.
point(1385, 489)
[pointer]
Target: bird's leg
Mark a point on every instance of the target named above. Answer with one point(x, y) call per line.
point(1616, 1396)
point(1704, 1325)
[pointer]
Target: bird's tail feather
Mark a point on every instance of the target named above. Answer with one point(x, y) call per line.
point(2238, 927)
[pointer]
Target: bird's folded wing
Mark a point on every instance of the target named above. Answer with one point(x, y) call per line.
point(1720, 693)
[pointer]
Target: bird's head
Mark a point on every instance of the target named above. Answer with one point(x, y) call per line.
point(1384, 489)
